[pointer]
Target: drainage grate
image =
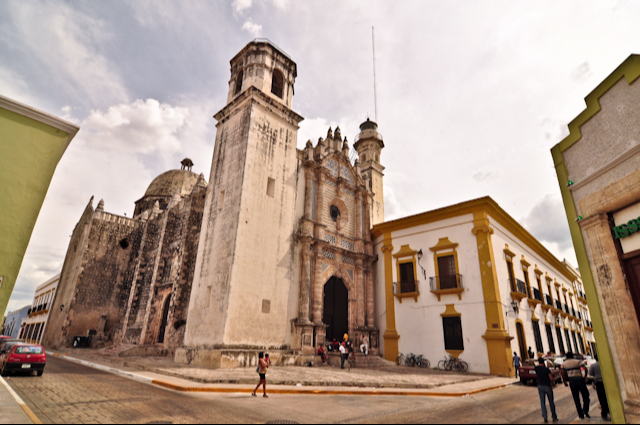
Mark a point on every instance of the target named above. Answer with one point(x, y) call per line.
point(283, 422)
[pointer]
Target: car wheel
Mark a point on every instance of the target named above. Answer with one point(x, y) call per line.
point(523, 381)
point(40, 372)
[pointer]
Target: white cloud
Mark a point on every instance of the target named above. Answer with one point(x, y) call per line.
point(64, 41)
point(251, 28)
point(239, 6)
point(141, 127)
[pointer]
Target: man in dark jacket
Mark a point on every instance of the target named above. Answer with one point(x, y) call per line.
point(546, 382)
point(572, 376)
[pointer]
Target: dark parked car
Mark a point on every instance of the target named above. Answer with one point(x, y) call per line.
point(527, 371)
point(21, 357)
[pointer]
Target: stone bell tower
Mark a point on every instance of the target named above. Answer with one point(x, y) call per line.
point(245, 271)
point(369, 145)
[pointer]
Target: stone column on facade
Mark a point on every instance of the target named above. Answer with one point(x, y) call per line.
point(308, 198)
point(391, 336)
point(317, 289)
point(620, 326)
point(497, 338)
point(361, 294)
point(369, 285)
point(305, 284)
point(359, 226)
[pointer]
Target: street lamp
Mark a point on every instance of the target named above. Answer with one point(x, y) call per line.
point(424, 272)
point(516, 306)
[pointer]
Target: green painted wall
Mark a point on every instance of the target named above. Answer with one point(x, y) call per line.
point(29, 154)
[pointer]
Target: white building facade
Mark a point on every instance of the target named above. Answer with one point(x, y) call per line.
point(38, 316)
point(470, 282)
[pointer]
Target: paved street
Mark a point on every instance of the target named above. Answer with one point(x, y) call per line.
point(73, 393)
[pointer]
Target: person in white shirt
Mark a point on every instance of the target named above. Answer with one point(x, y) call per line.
point(343, 354)
point(364, 348)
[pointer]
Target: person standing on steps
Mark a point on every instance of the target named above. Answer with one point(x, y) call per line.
point(546, 382)
point(263, 366)
point(530, 354)
point(343, 354)
point(364, 348)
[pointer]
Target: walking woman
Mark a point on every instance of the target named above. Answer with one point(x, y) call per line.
point(263, 366)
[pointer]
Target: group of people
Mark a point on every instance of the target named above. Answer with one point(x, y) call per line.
point(346, 349)
point(573, 377)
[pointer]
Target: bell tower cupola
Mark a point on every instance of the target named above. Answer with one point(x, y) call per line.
point(369, 145)
point(261, 64)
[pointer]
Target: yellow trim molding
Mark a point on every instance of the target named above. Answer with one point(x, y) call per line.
point(444, 244)
point(525, 262)
point(508, 252)
point(410, 254)
point(454, 291)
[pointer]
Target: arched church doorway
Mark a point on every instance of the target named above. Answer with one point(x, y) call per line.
point(165, 319)
point(336, 309)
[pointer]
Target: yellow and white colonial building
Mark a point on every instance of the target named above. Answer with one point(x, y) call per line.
point(468, 280)
point(33, 326)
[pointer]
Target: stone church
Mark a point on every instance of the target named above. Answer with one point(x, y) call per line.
point(127, 280)
point(285, 259)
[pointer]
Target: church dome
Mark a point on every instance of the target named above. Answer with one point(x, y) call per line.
point(171, 183)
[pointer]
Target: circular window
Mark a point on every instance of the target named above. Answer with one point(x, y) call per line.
point(335, 212)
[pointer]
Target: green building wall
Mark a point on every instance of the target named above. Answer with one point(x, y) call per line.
point(31, 145)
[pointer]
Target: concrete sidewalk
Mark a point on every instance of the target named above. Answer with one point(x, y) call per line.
point(12, 409)
point(387, 375)
point(176, 383)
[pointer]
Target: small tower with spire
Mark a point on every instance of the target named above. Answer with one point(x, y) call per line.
point(369, 145)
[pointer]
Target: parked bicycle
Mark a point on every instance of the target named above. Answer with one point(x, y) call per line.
point(412, 360)
point(453, 364)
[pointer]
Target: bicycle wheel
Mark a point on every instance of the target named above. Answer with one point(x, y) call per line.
point(411, 362)
point(400, 360)
point(442, 365)
point(457, 367)
point(465, 366)
point(425, 364)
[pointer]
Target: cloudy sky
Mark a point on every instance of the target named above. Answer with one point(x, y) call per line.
point(471, 95)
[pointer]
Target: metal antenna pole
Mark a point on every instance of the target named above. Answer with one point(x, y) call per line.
point(375, 85)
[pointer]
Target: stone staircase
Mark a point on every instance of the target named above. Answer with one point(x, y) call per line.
point(370, 361)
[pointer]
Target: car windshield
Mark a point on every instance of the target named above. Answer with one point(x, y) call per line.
point(529, 363)
point(27, 349)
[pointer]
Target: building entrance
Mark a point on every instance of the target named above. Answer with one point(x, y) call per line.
point(336, 309)
point(165, 319)
point(632, 270)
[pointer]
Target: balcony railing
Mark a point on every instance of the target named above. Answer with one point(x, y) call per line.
point(558, 305)
point(573, 312)
point(566, 309)
point(442, 283)
point(537, 295)
point(518, 286)
point(549, 300)
point(405, 287)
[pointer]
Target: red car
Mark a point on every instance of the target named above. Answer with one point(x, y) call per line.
point(527, 371)
point(21, 357)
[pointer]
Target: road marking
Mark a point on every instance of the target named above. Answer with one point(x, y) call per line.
point(22, 404)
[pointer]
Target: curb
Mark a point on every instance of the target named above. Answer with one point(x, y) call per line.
point(195, 389)
point(20, 402)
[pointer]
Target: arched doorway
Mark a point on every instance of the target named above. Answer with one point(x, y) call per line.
point(165, 319)
point(522, 342)
point(336, 309)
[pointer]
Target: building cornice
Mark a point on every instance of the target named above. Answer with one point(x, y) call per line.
point(494, 211)
point(40, 116)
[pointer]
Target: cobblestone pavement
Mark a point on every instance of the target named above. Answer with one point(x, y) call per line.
point(379, 377)
point(73, 393)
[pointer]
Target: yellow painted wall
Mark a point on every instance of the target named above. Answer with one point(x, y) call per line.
point(29, 154)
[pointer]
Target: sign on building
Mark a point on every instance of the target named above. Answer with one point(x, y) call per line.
point(627, 228)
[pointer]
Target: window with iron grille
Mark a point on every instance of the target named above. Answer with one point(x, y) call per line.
point(447, 271)
point(566, 333)
point(552, 346)
point(560, 341)
point(452, 333)
point(536, 333)
point(407, 278)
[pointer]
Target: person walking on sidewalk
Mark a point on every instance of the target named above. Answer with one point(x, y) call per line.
point(598, 384)
point(263, 366)
point(516, 363)
point(546, 382)
point(572, 376)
